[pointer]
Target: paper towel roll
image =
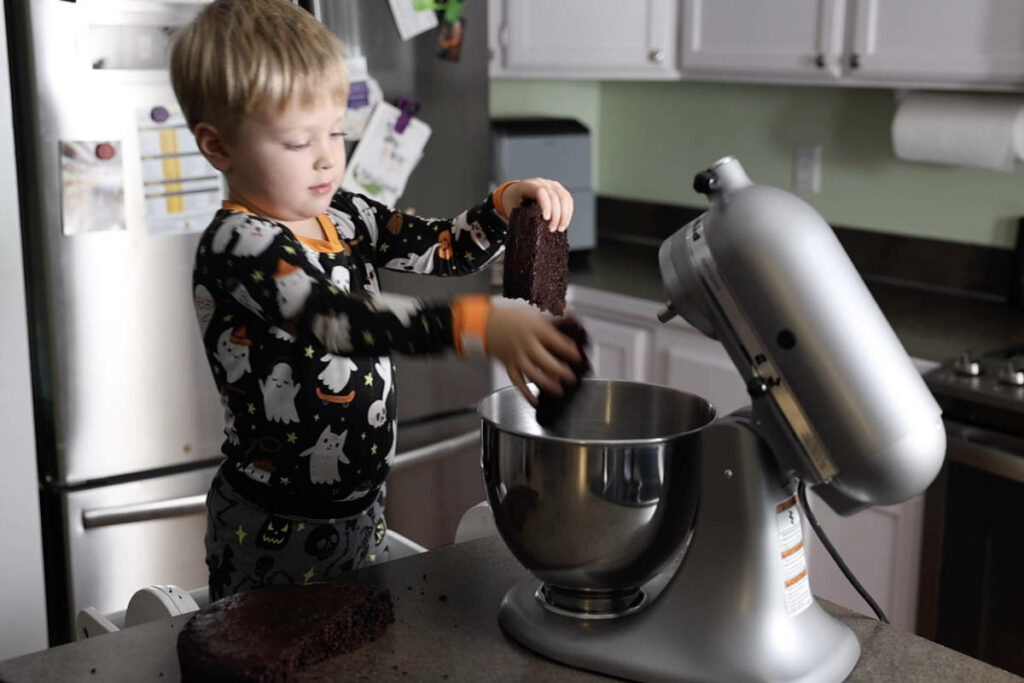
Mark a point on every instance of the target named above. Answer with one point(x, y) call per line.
point(980, 131)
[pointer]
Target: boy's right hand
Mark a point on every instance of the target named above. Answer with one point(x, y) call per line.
point(532, 350)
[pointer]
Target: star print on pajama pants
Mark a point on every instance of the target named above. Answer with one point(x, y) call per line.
point(248, 547)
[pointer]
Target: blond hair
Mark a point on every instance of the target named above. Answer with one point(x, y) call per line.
point(239, 57)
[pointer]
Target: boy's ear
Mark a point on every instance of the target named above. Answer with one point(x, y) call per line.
point(212, 145)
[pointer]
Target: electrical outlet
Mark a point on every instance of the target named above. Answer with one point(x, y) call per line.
point(807, 168)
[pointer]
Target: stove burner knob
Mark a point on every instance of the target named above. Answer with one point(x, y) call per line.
point(1012, 372)
point(967, 366)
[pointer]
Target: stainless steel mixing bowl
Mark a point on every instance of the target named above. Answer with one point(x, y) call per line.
point(603, 500)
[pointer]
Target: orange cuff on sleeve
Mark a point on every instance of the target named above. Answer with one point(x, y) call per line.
point(496, 197)
point(469, 322)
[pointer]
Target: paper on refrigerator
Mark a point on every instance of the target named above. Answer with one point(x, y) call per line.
point(384, 159)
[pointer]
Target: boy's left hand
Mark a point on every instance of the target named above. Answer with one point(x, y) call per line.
point(554, 200)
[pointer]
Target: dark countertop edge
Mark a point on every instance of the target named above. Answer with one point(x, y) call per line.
point(932, 325)
point(446, 604)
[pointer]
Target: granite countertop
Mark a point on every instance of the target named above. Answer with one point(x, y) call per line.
point(446, 628)
point(932, 326)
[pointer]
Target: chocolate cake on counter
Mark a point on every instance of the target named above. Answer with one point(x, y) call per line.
point(272, 632)
point(536, 264)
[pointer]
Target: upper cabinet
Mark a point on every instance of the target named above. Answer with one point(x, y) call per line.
point(888, 43)
point(787, 39)
point(605, 39)
point(939, 44)
point(925, 43)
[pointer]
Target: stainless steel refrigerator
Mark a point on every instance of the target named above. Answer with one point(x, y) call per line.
point(113, 196)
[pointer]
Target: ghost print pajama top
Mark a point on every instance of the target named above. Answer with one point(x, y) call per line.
point(298, 336)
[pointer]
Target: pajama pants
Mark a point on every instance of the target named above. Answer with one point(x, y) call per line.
point(248, 547)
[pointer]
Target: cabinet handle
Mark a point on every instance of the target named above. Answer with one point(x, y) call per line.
point(656, 56)
point(855, 61)
point(819, 61)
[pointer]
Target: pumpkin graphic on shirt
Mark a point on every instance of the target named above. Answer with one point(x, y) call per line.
point(325, 455)
point(233, 353)
point(293, 288)
point(279, 390)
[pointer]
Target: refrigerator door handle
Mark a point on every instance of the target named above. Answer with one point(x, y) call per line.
point(140, 512)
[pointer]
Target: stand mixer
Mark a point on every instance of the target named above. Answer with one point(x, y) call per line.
point(665, 542)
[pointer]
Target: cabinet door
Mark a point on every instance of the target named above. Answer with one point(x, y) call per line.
point(589, 38)
point(789, 39)
point(687, 360)
point(881, 546)
point(617, 350)
point(912, 41)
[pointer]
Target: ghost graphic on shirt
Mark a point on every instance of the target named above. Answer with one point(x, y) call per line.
point(254, 235)
point(312, 255)
point(346, 228)
point(279, 390)
point(233, 353)
point(334, 330)
point(325, 455)
point(402, 307)
point(242, 296)
point(415, 263)
point(371, 279)
point(205, 307)
point(341, 277)
point(337, 372)
point(293, 288)
point(281, 333)
point(367, 216)
point(378, 412)
point(476, 233)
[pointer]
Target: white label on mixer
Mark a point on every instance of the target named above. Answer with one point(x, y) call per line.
point(796, 585)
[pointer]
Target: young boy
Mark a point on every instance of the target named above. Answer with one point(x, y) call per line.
point(296, 329)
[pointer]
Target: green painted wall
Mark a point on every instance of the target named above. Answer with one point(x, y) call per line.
point(650, 137)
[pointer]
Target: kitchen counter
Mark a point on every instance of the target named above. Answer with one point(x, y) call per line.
point(446, 628)
point(932, 326)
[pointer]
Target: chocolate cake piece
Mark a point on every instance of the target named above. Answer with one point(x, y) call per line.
point(272, 632)
point(550, 407)
point(536, 260)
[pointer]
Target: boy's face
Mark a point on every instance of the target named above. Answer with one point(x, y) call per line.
point(288, 164)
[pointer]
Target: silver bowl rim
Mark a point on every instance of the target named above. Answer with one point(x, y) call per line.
point(548, 436)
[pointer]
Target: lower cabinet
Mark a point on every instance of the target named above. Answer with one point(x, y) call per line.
point(882, 545)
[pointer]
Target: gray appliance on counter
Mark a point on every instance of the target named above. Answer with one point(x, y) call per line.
point(436, 474)
point(552, 148)
point(113, 195)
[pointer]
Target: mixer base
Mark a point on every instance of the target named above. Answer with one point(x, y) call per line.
point(723, 616)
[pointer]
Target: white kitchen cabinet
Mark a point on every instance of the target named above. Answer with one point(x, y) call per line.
point(685, 359)
point(606, 39)
point(913, 41)
point(792, 39)
point(617, 350)
point(910, 43)
point(881, 546)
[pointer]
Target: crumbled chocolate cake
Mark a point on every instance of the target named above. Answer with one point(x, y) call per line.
point(536, 260)
point(272, 632)
point(549, 407)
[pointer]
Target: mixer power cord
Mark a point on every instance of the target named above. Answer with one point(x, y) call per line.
point(820, 533)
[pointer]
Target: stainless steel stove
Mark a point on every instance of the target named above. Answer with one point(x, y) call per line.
point(973, 549)
point(985, 389)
